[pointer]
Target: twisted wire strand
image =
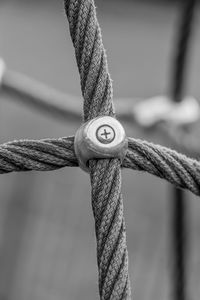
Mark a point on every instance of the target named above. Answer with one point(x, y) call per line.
point(165, 163)
point(42, 155)
point(107, 201)
point(53, 154)
point(91, 59)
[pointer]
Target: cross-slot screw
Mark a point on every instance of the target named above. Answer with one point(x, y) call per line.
point(105, 134)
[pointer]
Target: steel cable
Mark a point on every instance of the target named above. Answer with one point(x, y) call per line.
point(53, 154)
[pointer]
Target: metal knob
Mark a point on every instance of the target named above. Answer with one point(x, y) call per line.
point(150, 112)
point(102, 137)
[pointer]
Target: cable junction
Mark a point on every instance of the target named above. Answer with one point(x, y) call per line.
point(105, 173)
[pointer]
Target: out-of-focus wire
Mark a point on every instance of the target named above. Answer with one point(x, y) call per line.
point(43, 98)
point(179, 201)
point(39, 96)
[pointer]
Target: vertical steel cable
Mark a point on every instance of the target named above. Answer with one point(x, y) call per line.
point(179, 224)
point(181, 47)
point(179, 244)
point(107, 201)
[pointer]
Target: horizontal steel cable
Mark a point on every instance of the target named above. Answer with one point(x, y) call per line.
point(52, 154)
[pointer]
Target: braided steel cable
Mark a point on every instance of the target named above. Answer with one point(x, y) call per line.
point(107, 201)
point(53, 154)
point(42, 155)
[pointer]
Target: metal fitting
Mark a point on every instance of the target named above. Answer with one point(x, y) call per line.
point(150, 112)
point(2, 69)
point(102, 137)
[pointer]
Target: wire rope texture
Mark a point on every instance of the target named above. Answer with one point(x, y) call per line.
point(96, 84)
point(107, 201)
point(52, 154)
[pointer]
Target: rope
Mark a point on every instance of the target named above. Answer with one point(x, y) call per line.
point(179, 226)
point(181, 48)
point(42, 155)
point(179, 241)
point(107, 200)
point(39, 96)
point(53, 154)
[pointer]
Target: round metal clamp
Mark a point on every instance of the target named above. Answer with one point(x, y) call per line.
point(102, 137)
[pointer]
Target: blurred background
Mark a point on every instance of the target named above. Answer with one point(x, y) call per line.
point(47, 240)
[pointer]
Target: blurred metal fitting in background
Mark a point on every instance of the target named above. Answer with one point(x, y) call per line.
point(149, 112)
point(102, 137)
point(2, 69)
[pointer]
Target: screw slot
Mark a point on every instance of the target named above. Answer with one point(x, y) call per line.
point(105, 134)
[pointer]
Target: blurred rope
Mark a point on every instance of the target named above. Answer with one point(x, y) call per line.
point(181, 49)
point(39, 96)
point(53, 154)
point(43, 98)
point(179, 203)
